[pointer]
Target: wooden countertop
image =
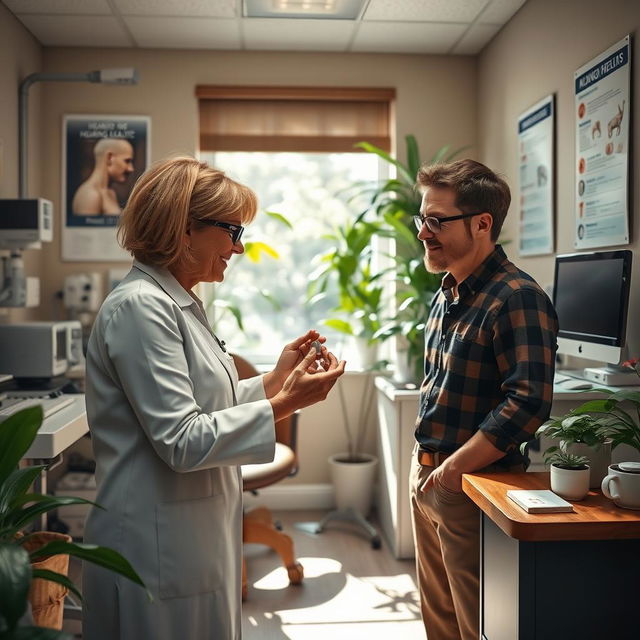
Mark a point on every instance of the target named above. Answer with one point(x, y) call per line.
point(595, 517)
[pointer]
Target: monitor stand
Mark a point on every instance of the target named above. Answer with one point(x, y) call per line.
point(612, 375)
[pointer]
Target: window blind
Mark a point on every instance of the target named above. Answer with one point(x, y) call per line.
point(293, 118)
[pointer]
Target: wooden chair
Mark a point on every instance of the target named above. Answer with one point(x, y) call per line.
point(258, 526)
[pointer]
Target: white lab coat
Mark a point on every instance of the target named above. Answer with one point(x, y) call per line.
point(170, 425)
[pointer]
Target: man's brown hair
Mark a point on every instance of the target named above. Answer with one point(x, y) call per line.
point(477, 188)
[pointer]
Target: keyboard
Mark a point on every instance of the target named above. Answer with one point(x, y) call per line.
point(49, 405)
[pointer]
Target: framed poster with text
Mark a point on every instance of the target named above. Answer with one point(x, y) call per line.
point(602, 108)
point(536, 174)
point(102, 157)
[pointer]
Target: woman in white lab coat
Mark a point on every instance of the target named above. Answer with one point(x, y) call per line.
point(170, 421)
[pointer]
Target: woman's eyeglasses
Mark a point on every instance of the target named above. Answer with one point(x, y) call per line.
point(435, 224)
point(235, 230)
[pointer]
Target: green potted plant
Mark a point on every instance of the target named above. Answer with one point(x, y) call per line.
point(348, 266)
point(22, 551)
point(580, 435)
point(617, 417)
point(396, 201)
point(569, 473)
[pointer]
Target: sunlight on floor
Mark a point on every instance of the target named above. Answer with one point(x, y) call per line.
point(372, 603)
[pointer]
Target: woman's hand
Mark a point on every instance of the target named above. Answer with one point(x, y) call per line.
point(307, 384)
point(291, 356)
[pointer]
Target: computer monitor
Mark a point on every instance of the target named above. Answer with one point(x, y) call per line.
point(591, 297)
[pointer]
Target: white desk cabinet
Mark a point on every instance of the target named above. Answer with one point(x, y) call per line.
point(397, 412)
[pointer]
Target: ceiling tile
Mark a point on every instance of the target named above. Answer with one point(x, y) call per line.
point(76, 31)
point(500, 11)
point(184, 8)
point(476, 38)
point(184, 33)
point(403, 37)
point(297, 35)
point(53, 7)
point(424, 10)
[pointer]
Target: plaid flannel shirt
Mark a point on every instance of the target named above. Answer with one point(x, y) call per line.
point(489, 360)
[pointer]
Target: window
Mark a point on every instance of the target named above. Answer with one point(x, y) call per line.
point(295, 148)
point(271, 293)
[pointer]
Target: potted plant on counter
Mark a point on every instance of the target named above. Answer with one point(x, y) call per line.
point(24, 574)
point(569, 473)
point(580, 435)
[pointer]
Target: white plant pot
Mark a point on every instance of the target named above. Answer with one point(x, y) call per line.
point(353, 481)
point(367, 353)
point(570, 484)
point(599, 460)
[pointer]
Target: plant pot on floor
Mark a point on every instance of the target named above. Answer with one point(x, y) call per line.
point(353, 480)
point(46, 597)
point(570, 483)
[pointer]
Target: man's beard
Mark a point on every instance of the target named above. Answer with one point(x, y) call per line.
point(440, 261)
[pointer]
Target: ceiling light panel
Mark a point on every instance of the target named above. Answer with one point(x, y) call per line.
point(308, 35)
point(318, 9)
point(424, 10)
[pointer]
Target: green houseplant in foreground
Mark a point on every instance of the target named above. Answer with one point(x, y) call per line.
point(18, 509)
point(396, 201)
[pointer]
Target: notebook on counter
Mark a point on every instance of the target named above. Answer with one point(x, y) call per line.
point(539, 501)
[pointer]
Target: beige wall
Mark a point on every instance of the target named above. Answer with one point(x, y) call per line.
point(535, 55)
point(21, 55)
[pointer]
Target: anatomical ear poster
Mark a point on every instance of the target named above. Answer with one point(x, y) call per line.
point(102, 157)
point(536, 175)
point(603, 111)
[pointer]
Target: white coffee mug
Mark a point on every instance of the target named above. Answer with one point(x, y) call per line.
point(623, 487)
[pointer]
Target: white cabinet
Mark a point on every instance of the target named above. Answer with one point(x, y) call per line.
point(397, 413)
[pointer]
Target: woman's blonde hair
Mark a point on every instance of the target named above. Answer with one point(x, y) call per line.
point(169, 198)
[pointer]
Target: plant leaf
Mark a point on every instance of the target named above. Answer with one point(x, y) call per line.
point(339, 325)
point(100, 556)
point(54, 576)
point(367, 146)
point(16, 485)
point(413, 155)
point(15, 579)
point(254, 251)
point(280, 218)
point(17, 432)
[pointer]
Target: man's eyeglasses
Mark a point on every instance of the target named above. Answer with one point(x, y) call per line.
point(235, 230)
point(434, 224)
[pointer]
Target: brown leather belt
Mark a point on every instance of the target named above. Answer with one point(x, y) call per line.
point(431, 458)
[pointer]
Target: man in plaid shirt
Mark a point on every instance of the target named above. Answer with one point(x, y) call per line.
point(489, 366)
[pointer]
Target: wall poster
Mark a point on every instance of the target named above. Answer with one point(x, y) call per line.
point(602, 108)
point(102, 157)
point(536, 163)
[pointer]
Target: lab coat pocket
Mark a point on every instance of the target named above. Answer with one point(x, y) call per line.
point(190, 541)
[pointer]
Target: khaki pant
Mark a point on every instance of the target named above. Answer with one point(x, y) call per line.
point(446, 530)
